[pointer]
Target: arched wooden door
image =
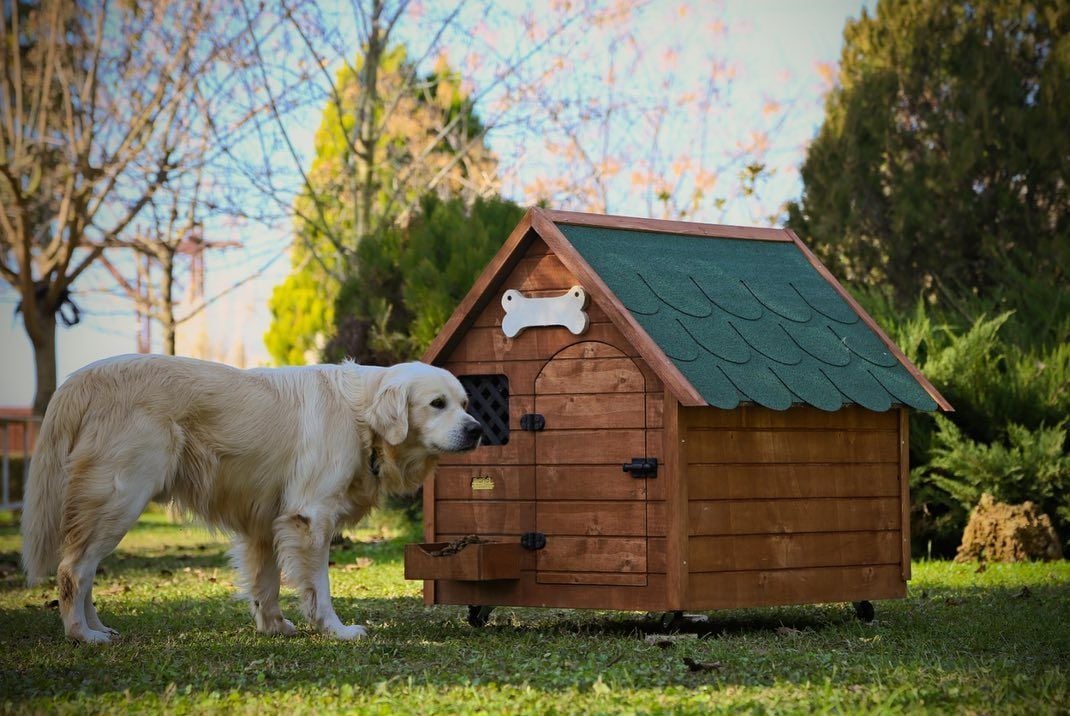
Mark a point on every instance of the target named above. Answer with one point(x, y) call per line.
point(593, 400)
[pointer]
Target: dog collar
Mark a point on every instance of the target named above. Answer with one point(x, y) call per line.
point(374, 461)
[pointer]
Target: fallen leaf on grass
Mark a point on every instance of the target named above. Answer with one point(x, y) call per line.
point(693, 665)
point(117, 589)
point(953, 601)
point(787, 631)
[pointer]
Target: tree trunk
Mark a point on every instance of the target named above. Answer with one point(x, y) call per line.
point(42, 332)
point(167, 303)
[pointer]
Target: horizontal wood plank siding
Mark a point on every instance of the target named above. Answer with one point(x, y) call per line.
point(506, 517)
point(786, 481)
point(791, 507)
point(594, 554)
point(825, 549)
point(758, 588)
point(565, 546)
point(595, 447)
point(792, 446)
point(577, 411)
point(594, 482)
point(455, 482)
point(592, 375)
point(741, 517)
point(582, 518)
point(617, 579)
point(527, 592)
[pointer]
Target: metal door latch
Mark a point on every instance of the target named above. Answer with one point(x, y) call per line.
point(642, 467)
point(532, 421)
point(533, 540)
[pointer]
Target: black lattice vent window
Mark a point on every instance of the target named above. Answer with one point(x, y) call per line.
point(488, 402)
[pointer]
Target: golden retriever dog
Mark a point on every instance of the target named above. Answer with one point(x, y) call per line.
point(281, 458)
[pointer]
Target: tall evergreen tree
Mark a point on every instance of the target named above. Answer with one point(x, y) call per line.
point(375, 158)
point(410, 279)
point(943, 164)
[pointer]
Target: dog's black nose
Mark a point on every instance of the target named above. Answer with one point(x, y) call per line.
point(473, 431)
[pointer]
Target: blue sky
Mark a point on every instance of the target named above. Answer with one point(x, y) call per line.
point(781, 51)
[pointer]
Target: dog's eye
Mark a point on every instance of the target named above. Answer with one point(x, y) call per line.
point(438, 403)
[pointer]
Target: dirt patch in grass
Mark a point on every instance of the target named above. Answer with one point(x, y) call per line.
point(998, 532)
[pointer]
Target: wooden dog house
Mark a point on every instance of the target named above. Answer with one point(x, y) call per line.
point(727, 428)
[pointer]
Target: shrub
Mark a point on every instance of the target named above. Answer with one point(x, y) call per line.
point(1010, 387)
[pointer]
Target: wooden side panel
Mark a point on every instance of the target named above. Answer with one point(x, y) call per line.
point(793, 447)
point(818, 549)
point(783, 481)
point(792, 507)
point(740, 517)
point(727, 590)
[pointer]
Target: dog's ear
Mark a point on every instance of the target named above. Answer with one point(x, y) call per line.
point(389, 412)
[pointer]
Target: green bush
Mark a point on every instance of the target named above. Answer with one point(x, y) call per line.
point(1008, 378)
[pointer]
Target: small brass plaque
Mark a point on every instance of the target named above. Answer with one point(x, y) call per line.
point(482, 482)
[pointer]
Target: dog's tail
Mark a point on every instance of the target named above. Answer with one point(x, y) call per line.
point(46, 489)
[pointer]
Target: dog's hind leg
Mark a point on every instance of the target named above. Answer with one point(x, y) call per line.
point(304, 543)
point(104, 499)
point(255, 561)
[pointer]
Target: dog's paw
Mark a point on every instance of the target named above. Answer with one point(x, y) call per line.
point(349, 633)
point(91, 636)
point(278, 627)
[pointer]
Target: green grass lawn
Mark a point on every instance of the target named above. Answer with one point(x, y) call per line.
point(991, 641)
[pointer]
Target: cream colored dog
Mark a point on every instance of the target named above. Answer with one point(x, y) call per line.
point(282, 458)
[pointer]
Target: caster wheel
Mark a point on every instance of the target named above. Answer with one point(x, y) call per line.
point(479, 615)
point(864, 611)
point(669, 619)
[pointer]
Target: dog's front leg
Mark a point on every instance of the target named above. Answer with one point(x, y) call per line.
point(303, 542)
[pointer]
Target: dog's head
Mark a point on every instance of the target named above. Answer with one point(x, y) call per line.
point(420, 403)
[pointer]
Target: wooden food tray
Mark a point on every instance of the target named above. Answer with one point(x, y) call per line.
point(476, 562)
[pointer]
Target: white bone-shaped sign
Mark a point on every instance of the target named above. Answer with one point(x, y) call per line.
point(565, 310)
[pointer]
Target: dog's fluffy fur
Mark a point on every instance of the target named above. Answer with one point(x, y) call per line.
point(281, 458)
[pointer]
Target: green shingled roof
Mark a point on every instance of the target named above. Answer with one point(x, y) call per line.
point(748, 321)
